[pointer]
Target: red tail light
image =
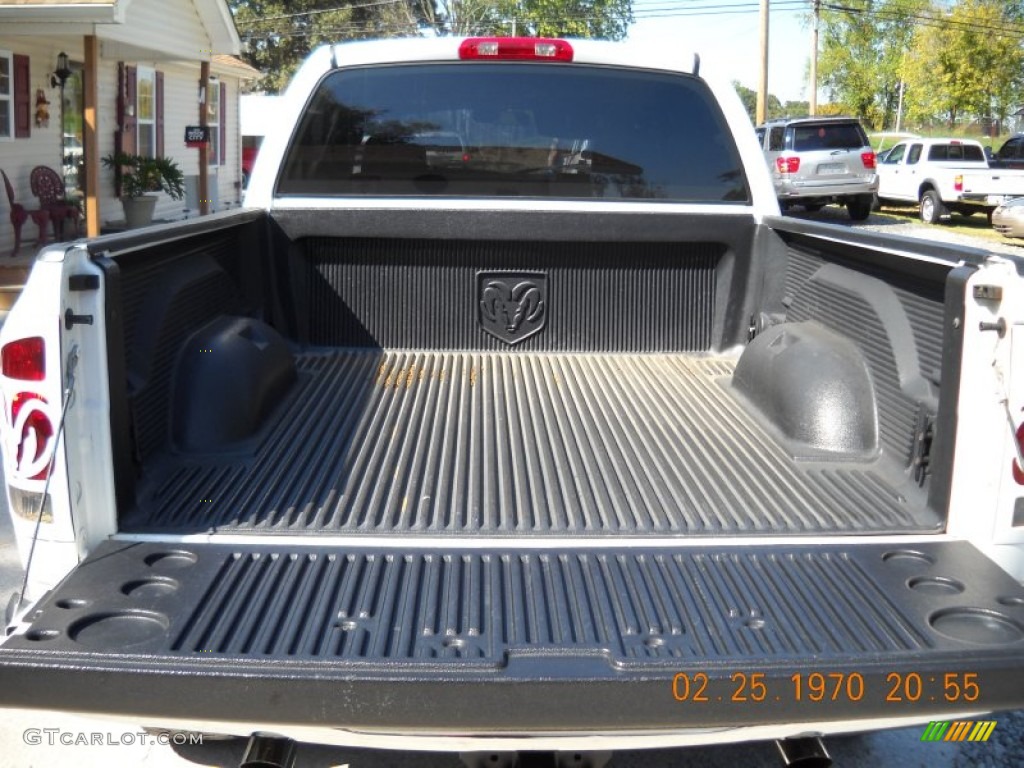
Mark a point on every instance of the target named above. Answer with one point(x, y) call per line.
point(515, 49)
point(24, 359)
point(958, 183)
point(787, 164)
point(868, 158)
point(34, 432)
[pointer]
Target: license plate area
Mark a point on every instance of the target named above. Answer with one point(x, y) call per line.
point(831, 169)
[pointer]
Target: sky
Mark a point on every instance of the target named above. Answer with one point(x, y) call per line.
point(726, 35)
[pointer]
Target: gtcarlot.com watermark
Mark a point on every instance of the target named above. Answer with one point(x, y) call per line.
point(51, 737)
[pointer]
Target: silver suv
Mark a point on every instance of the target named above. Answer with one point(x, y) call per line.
point(815, 161)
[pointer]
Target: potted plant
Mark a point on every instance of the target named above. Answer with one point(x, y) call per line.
point(140, 176)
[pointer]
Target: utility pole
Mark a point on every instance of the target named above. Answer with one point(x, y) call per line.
point(813, 98)
point(762, 86)
point(899, 107)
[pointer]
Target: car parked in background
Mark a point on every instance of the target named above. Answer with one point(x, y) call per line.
point(815, 161)
point(1010, 155)
point(1008, 218)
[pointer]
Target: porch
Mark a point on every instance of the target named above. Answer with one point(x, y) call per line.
point(133, 75)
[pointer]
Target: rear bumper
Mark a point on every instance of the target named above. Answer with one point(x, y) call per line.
point(792, 190)
point(988, 202)
point(499, 643)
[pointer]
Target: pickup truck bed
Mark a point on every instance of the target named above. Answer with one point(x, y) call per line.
point(499, 444)
point(378, 433)
point(622, 497)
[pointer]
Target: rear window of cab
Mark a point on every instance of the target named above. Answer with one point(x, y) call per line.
point(945, 152)
point(826, 136)
point(512, 129)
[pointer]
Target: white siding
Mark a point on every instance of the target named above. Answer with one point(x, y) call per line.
point(181, 108)
point(19, 156)
point(170, 26)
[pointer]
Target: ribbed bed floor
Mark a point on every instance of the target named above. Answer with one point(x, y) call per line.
point(498, 444)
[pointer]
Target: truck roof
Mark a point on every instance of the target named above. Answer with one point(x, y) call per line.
point(620, 53)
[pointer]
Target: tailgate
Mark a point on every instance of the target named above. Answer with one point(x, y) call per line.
point(834, 167)
point(1002, 184)
point(512, 639)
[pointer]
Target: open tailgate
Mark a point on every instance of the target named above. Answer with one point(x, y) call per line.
point(523, 640)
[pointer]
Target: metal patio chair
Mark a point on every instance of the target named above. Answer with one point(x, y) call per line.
point(48, 186)
point(20, 214)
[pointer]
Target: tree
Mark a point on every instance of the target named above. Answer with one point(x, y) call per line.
point(968, 61)
point(608, 19)
point(773, 107)
point(864, 42)
point(278, 34)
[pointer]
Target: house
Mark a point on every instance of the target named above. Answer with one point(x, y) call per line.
point(131, 78)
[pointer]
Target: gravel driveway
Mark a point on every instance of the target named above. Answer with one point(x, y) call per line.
point(940, 233)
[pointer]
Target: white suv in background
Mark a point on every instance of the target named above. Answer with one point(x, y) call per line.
point(815, 161)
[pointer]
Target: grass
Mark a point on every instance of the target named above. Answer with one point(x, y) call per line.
point(976, 225)
point(880, 142)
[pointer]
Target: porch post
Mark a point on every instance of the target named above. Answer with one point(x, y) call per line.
point(91, 137)
point(204, 149)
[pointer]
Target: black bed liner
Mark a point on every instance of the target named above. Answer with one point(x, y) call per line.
point(502, 444)
point(509, 639)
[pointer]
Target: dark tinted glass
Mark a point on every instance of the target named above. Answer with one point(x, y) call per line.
point(1011, 150)
point(512, 129)
point(955, 152)
point(807, 138)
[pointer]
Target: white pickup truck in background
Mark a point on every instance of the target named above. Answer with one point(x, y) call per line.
point(945, 176)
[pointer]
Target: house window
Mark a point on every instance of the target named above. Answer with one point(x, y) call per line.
point(146, 112)
point(213, 117)
point(6, 95)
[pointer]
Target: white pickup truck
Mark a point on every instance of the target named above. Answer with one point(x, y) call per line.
point(563, 442)
point(944, 176)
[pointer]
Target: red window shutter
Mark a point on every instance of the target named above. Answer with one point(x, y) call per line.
point(127, 83)
point(159, 113)
point(223, 113)
point(22, 98)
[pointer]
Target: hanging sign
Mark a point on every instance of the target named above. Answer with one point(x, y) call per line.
point(197, 135)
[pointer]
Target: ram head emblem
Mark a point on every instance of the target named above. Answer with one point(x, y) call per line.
point(513, 306)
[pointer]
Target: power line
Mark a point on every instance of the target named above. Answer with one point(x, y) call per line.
point(661, 11)
point(655, 10)
point(318, 11)
point(1007, 29)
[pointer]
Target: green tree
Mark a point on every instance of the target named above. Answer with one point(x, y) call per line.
point(796, 108)
point(278, 34)
point(773, 108)
point(864, 43)
point(968, 61)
